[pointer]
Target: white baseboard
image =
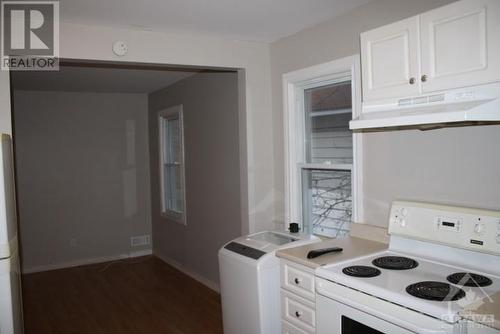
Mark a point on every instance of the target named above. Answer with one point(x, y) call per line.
point(143, 252)
point(83, 262)
point(206, 282)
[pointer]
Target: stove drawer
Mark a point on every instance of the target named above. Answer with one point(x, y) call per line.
point(298, 311)
point(298, 279)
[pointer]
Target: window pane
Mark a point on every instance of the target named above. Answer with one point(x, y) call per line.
point(179, 198)
point(328, 110)
point(169, 179)
point(174, 140)
point(164, 137)
point(172, 152)
point(327, 201)
point(173, 188)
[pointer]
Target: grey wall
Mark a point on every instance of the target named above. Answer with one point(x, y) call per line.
point(83, 173)
point(455, 165)
point(210, 102)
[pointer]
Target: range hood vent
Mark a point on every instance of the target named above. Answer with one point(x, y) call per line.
point(472, 104)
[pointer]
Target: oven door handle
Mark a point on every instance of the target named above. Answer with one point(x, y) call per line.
point(392, 313)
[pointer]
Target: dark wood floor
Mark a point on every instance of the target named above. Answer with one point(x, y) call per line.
point(142, 295)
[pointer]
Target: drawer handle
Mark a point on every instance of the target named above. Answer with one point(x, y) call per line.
point(297, 280)
point(412, 81)
point(424, 78)
point(298, 314)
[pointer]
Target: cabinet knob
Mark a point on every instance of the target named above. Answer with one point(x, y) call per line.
point(297, 280)
point(298, 314)
point(412, 81)
point(424, 78)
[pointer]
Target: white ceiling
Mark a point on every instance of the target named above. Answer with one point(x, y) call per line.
point(255, 20)
point(97, 79)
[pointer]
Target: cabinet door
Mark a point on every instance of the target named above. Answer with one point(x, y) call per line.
point(460, 45)
point(390, 60)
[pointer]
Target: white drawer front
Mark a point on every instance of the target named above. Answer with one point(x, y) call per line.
point(298, 311)
point(297, 281)
point(288, 328)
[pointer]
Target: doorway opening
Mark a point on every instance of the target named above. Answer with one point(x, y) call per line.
point(89, 148)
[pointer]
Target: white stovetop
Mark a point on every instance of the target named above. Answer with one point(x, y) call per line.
point(391, 285)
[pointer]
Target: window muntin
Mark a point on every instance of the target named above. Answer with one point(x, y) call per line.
point(172, 164)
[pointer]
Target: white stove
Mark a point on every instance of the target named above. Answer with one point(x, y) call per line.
point(442, 262)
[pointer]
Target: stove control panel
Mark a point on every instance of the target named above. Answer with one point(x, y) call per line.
point(467, 228)
point(449, 223)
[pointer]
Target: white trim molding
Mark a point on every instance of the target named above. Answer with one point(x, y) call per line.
point(294, 84)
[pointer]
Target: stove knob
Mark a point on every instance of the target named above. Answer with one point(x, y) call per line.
point(404, 212)
point(478, 228)
point(403, 223)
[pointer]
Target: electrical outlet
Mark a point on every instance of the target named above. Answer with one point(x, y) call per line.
point(140, 240)
point(72, 242)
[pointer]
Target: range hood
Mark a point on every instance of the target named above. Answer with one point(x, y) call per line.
point(472, 104)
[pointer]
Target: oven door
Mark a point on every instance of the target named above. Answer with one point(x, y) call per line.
point(337, 318)
point(342, 310)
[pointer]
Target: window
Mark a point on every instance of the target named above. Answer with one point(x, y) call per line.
point(323, 177)
point(172, 164)
point(326, 192)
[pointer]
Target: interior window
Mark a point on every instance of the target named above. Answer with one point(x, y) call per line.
point(172, 163)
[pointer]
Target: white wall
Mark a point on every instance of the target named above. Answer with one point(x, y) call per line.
point(94, 42)
point(455, 165)
point(458, 166)
point(262, 193)
point(82, 173)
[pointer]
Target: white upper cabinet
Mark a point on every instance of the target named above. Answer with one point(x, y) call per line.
point(460, 44)
point(390, 61)
point(449, 47)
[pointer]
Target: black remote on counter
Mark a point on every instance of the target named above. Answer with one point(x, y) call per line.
point(318, 252)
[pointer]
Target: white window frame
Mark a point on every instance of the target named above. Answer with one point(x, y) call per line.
point(171, 113)
point(294, 84)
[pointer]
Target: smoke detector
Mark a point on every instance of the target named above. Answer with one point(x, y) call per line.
point(120, 48)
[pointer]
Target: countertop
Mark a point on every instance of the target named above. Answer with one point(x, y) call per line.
point(486, 311)
point(352, 247)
